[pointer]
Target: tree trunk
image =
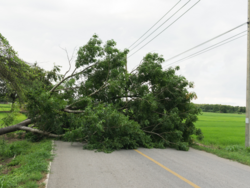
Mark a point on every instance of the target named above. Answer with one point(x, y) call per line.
point(23, 126)
point(39, 131)
point(14, 128)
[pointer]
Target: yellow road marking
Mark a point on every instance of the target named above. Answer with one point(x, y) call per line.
point(174, 173)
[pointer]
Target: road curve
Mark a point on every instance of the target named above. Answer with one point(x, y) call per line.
point(74, 167)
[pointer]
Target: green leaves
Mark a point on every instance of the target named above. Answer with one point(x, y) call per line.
point(111, 109)
point(89, 53)
point(99, 125)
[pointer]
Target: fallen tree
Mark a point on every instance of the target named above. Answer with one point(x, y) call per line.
point(101, 103)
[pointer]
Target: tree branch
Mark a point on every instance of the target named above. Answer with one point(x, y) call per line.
point(73, 111)
point(70, 77)
point(132, 96)
point(39, 131)
point(14, 128)
point(69, 59)
point(65, 89)
point(102, 87)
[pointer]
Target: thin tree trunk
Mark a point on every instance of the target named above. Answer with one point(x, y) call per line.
point(14, 128)
point(39, 131)
point(23, 126)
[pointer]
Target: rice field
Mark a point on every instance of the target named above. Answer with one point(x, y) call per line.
point(222, 129)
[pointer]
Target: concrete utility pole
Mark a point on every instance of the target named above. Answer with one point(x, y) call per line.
point(127, 72)
point(247, 138)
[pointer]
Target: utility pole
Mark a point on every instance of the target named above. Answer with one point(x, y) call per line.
point(247, 137)
point(127, 72)
point(126, 63)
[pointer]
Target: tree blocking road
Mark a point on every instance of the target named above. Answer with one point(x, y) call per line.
point(89, 103)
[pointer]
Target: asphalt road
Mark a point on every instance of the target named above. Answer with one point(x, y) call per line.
point(144, 168)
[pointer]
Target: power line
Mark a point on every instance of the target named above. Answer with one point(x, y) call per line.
point(208, 49)
point(165, 28)
point(206, 41)
point(161, 25)
point(156, 23)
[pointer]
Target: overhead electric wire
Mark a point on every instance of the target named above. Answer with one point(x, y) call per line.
point(161, 25)
point(165, 29)
point(156, 23)
point(206, 41)
point(207, 49)
point(212, 45)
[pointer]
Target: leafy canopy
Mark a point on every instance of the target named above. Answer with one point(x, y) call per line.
point(107, 107)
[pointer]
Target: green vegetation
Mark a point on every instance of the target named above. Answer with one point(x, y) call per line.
point(221, 108)
point(100, 102)
point(5, 107)
point(23, 163)
point(222, 129)
point(224, 135)
point(19, 118)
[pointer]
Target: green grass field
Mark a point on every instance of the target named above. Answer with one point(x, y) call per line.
point(224, 135)
point(22, 163)
point(222, 129)
point(19, 118)
point(6, 107)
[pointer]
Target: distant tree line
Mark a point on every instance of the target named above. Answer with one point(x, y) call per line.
point(221, 108)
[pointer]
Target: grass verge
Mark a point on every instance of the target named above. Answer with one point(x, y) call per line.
point(241, 155)
point(24, 164)
point(5, 107)
point(224, 136)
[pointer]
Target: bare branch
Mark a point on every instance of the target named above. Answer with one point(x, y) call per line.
point(136, 67)
point(102, 87)
point(69, 59)
point(156, 134)
point(74, 70)
point(14, 128)
point(131, 96)
point(74, 111)
point(33, 126)
point(65, 89)
point(39, 131)
point(53, 89)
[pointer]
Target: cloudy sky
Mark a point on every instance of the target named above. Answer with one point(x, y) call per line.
point(38, 30)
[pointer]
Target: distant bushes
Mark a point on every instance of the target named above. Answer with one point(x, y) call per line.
point(221, 108)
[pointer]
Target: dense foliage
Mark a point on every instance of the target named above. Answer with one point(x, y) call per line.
point(29, 163)
point(221, 108)
point(109, 108)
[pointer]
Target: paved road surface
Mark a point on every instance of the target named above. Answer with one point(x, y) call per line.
point(145, 168)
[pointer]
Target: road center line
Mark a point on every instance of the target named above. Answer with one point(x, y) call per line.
point(174, 173)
